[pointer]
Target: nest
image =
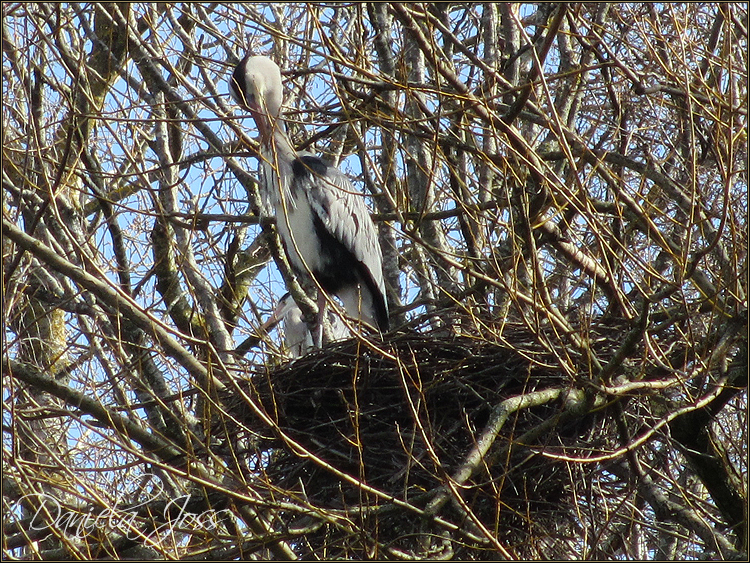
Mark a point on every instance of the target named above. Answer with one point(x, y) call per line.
point(401, 416)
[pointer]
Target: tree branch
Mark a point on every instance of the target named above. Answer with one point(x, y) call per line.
point(114, 298)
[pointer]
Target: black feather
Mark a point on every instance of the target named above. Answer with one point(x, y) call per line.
point(303, 165)
point(238, 84)
point(342, 268)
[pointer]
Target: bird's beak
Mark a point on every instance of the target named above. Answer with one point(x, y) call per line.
point(282, 307)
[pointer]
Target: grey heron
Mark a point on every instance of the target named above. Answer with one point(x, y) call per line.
point(323, 222)
point(298, 340)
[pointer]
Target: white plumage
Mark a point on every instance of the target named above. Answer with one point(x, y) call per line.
point(298, 340)
point(297, 337)
point(322, 220)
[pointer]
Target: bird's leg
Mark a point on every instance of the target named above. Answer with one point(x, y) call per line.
point(320, 320)
point(323, 328)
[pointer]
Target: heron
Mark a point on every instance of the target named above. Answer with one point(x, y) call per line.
point(323, 222)
point(298, 339)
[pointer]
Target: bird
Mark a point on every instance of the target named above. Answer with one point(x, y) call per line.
point(298, 339)
point(322, 220)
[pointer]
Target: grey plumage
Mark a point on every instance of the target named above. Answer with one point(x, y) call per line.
point(298, 340)
point(297, 337)
point(322, 220)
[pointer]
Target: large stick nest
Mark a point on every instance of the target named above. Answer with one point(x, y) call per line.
point(401, 416)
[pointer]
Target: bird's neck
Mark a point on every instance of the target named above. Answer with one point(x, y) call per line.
point(277, 155)
point(275, 140)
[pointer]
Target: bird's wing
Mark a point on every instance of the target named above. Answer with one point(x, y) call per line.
point(343, 211)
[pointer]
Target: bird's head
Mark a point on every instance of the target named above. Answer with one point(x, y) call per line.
point(256, 86)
